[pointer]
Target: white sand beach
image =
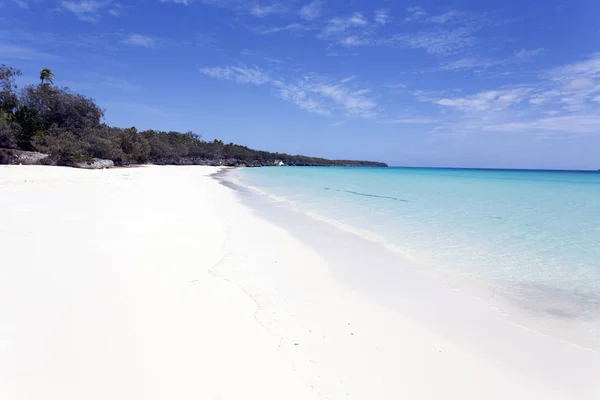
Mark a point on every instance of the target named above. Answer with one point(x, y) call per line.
point(158, 283)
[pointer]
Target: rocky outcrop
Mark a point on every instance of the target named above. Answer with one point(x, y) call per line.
point(95, 163)
point(20, 157)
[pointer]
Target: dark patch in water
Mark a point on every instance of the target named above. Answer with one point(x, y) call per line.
point(368, 195)
point(494, 217)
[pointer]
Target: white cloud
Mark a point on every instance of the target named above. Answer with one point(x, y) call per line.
point(116, 10)
point(467, 63)
point(589, 67)
point(243, 7)
point(447, 17)
point(400, 85)
point(543, 97)
point(438, 41)
point(263, 11)
point(491, 100)
point(21, 3)
point(85, 10)
point(293, 27)
point(526, 55)
point(352, 41)
point(354, 102)
point(563, 100)
point(415, 120)
point(302, 98)
point(350, 31)
point(419, 14)
point(576, 124)
point(339, 25)
point(312, 10)
point(382, 17)
point(574, 85)
point(319, 95)
point(416, 14)
point(239, 74)
point(137, 39)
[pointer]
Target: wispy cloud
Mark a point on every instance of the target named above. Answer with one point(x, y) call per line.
point(526, 55)
point(116, 10)
point(491, 100)
point(21, 3)
point(262, 11)
point(184, 2)
point(445, 18)
point(312, 93)
point(574, 124)
point(137, 39)
point(298, 95)
point(419, 14)
point(352, 30)
point(258, 9)
point(468, 63)
point(415, 14)
point(324, 96)
point(562, 100)
point(414, 120)
point(88, 10)
point(354, 102)
point(382, 17)
point(312, 10)
point(239, 74)
point(483, 63)
point(340, 25)
point(439, 41)
point(294, 27)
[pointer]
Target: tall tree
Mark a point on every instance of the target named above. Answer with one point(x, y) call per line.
point(46, 76)
point(8, 96)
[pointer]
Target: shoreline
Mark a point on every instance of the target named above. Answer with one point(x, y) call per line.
point(466, 320)
point(499, 296)
point(160, 282)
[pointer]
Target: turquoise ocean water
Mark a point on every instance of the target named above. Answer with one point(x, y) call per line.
point(526, 241)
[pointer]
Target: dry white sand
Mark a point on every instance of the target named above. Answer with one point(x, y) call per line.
point(156, 283)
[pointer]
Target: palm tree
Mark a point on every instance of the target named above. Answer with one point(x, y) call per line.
point(46, 76)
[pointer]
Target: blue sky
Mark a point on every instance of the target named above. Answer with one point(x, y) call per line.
point(463, 83)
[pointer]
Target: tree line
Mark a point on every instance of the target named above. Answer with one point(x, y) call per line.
point(69, 128)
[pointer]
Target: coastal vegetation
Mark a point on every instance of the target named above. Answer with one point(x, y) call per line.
point(70, 128)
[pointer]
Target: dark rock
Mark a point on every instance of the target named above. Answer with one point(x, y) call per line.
point(16, 157)
point(95, 163)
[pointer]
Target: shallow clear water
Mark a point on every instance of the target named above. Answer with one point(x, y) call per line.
point(529, 239)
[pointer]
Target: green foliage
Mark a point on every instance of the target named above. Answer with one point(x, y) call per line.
point(8, 97)
point(46, 76)
point(9, 131)
point(63, 146)
point(68, 126)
